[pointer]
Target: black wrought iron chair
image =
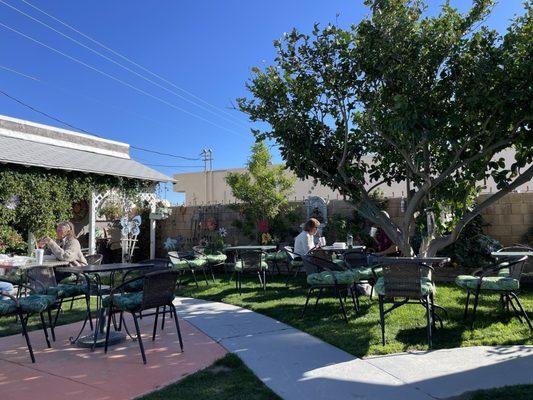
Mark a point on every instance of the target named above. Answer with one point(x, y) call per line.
point(213, 260)
point(252, 260)
point(503, 278)
point(358, 260)
point(294, 262)
point(323, 274)
point(411, 283)
point(187, 262)
point(276, 257)
point(158, 291)
point(24, 307)
point(42, 280)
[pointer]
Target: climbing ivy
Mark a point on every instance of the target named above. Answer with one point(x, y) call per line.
point(35, 199)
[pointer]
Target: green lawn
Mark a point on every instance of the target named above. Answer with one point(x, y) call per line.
point(228, 378)
point(405, 327)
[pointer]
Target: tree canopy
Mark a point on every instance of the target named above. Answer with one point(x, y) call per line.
point(429, 100)
point(264, 188)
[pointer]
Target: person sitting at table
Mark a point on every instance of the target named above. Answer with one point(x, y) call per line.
point(67, 248)
point(305, 242)
point(5, 287)
point(384, 244)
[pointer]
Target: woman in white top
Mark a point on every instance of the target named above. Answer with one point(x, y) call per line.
point(304, 242)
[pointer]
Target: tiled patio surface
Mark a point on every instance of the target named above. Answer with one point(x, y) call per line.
point(66, 372)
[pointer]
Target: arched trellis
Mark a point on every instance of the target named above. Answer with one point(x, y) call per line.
point(98, 199)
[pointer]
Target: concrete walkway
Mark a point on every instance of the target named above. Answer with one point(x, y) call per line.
point(297, 366)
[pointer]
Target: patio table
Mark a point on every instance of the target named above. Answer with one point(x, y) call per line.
point(421, 260)
point(512, 253)
point(97, 337)
point(339, 249)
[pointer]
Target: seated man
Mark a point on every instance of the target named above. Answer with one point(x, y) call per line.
point(304, 242)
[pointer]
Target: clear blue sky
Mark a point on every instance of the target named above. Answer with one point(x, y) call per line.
point(205, 47)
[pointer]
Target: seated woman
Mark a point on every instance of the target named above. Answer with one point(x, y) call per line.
point(67, 248)
point(5, 287)
point(305, 242)
point(385, 246)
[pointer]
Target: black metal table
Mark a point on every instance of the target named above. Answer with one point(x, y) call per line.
point(97, 337)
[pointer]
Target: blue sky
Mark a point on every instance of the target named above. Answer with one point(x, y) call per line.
point(204, 47)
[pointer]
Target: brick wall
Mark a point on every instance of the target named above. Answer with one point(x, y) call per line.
point(508, 220)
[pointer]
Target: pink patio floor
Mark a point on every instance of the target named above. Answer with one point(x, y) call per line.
point(66, 372)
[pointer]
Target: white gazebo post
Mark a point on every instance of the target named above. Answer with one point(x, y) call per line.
point(152, 231)
point(92, 224)
point(96, 201)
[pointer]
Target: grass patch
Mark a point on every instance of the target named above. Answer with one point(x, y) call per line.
point(405, 327)
point(518, 392)
point(228, 378)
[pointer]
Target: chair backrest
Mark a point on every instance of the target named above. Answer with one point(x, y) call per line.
point(291, 255)
point(355, 259)
point(516, 266)
point(159, 288)
point(516, 270)
point(404, 279)
point(251, 258)
point(41, 277)
point(94, 259)
point(320, 253)
point(313, 264)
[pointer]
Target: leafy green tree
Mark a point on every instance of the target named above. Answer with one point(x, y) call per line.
point(404, 97)
point(263, 189)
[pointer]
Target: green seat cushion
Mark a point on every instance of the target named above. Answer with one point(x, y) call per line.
point(197, 262)
point(332, 277)
point(35, 303)
point(63, 291)
point(214, 259)
point(179, 264)
point(504, 272)
point(276, 256)
point(426, 285)
point(135, 286)
point(366, 273)
point(500, 283)
point(296, 264)
point(125, 302)
point(239, 266)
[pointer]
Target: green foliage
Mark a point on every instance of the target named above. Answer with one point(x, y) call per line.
point(403, 96)
point(215, 245)
point(284, 226)
point(45, 197)
point(263, 189)
point(11, 241)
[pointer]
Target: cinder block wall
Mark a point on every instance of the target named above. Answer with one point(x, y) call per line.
point(508, 219)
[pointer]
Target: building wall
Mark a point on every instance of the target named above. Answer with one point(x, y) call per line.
point(204, 188)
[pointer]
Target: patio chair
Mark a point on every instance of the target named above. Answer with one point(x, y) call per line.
point(213, 260)
point(188, 263)
point(276, 257)
point(42, 280)
point(252, 260)
point(503, 278)
point(358, 260)
point(323, 275)
point(23, 307)
point(294, 262)
point(411, 283)
point(137, 285)
point(158, 291)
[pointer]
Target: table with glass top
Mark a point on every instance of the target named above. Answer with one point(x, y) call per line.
point(97, 337)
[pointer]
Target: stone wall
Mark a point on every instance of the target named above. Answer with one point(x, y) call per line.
point(508, 219)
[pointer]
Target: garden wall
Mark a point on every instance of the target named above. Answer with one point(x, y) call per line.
point(509, 219)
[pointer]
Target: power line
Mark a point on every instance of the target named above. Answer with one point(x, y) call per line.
point(130, 61)
point(36, 79)
point(116, 79)
point(173, 166)
point(84, 131)
point(117, 63)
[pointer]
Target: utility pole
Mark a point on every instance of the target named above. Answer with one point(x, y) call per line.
point(207, 157)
